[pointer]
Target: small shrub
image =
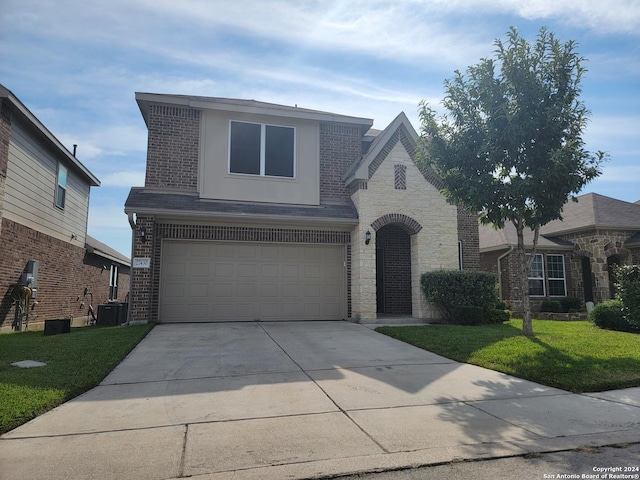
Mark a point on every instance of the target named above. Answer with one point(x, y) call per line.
point(611, 316)
point(500, 305)
point(467, 315)
point(550, 306)
point(449, 289)
point(628, 277)
point(496, 315)
point(570, 304)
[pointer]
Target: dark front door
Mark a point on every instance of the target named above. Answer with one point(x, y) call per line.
point(587, 279)
point(379, 279)
point(393, 271)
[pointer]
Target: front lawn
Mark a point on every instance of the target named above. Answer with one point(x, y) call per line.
point(574, 356)
point(76, 362)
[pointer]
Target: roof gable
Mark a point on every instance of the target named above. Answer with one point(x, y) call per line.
point(399, 130)
point(44, 135)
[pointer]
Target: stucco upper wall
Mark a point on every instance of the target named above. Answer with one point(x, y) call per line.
point(215, 181)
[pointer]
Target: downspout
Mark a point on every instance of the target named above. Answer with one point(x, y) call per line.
point(511, 249)
point(132, 223)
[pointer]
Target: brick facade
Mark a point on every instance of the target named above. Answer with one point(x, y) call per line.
point(510, 279)
point(397, 194)
point(340, 146)
point(173, 148)
point(468, 236)
point(146, 282)
point(65, 270)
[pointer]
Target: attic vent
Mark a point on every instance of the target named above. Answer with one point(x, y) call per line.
point(400, 180)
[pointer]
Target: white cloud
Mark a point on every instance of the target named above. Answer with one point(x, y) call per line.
point(612, 130)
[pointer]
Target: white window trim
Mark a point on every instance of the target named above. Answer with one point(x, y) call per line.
point(263, 144)
point(544, 289)
point(564, 274)
point(56, 201)
point(113, 282)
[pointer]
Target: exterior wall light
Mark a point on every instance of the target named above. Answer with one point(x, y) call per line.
point(367, 237)
point(143, 235)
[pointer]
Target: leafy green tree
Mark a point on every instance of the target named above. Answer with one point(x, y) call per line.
point(510, 145)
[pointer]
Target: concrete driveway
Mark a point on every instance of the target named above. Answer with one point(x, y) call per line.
point(300, 400)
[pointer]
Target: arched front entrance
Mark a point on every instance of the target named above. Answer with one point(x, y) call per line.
point(393, 271)
point(395, 260)
point(587, 279)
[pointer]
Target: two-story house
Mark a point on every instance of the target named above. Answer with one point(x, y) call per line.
point(44, 246)
point(256, 211)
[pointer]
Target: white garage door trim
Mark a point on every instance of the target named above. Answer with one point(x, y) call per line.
point(213, 281)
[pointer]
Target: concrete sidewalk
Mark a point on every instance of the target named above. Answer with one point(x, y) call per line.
point(300, 400)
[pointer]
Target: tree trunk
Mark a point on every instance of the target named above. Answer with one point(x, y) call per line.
point(523, 270)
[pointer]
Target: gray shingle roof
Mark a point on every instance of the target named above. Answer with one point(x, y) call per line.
point(590, 211)
point(95, 246)
point(141, 201)
point(492, 239)
point(595, 211)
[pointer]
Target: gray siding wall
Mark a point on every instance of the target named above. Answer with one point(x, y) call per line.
point(30, 190)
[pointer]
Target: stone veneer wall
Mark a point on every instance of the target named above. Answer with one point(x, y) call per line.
point(173, 148)
point(145, 290)
point(433, 247)
point(598, 246)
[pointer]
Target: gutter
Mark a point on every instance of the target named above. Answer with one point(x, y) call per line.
point(511, 249)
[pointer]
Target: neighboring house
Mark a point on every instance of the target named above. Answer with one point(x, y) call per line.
point(44, 203)
point(574, 255)
point(255, 211)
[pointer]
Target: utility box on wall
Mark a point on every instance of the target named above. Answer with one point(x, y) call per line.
point(30, 277)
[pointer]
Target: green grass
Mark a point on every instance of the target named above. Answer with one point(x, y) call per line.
point(76, 362)
point(575, 356)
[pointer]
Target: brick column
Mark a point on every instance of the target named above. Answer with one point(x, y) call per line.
point(142, 278)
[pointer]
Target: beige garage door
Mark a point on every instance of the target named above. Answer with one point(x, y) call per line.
point(215, 281)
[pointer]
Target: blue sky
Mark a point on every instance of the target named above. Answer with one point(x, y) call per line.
point(76, 65)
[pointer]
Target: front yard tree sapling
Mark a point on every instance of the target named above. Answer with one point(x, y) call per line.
point(510, 145)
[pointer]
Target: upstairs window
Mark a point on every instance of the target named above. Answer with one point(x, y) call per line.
point(259, 149)
point(61, 186)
